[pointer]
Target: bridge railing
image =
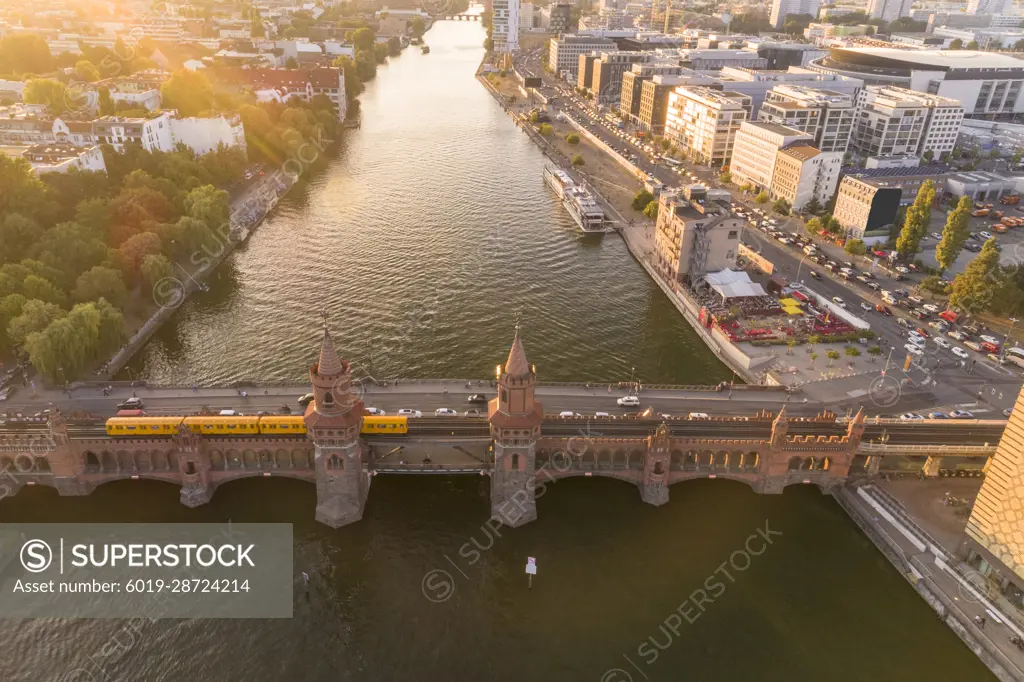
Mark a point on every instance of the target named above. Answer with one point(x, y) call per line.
point(935, 450)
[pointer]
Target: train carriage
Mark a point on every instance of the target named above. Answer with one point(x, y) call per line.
point(223, 426)
point(385, 425)
point(126, 427)
point(273, 425)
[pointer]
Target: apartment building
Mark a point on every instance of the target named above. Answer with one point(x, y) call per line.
point(282, 84)
point(704, 122)
point(783, 8)
point(865, 210)
point(894, 121)
point(994, 543)
point(827, 116)
point(804, 173)
point(564, 51)
point(889, 10)
point(756, 149)
point(632, 85)
point(695, 234)
point(653, 110)
point(505, 25)
point(606, 84)
point(759, 82)
point(60, 157)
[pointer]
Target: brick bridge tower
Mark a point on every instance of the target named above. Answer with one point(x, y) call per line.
point(515, 418)
point(654, 484)
point(333, 423)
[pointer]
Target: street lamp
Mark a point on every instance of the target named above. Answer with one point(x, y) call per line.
point(800, 265)
point(1002, 354)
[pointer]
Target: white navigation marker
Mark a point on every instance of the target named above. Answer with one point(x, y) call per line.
point(531, 570)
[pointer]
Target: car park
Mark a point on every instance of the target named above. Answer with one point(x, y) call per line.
point(961, 414)
point(408, 412)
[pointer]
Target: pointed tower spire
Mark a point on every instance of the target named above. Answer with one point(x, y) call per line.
point(517, 366)
point(329, 364)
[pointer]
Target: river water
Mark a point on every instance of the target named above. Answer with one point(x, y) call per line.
point(393, 224)
point(423, 238)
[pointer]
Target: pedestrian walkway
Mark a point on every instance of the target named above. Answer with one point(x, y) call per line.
point(940, 578)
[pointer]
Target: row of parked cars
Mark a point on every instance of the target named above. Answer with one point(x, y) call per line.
point(936, 414)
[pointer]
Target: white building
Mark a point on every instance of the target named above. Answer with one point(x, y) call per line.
point(695, 234)
point(526, 12)
point(704, 122)
point(825, 115)
point(803, 173)
point(989, 6)
point(756, 83)
point(756, 148)
point(204, 135)
point(137, 99)
point(894, 121)
point(707, 59)
point(888, 10)
point(60, 157)
point(564, 51)
point(505, 25)
point(783, 8)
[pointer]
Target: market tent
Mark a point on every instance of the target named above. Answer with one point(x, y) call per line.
point(792, 310)
point(731, 284)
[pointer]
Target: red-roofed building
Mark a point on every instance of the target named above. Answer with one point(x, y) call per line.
point(282, 84)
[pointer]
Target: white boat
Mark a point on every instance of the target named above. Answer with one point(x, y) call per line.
point(584, 209)
point(559, 180)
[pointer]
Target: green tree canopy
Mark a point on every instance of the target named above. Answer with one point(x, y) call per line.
point(364, 38)
point(954, 234)
point(23, 53)
point(187, 91)
point(87, 71)
point(915, 226)
point(35, 316)
point(418, 28)
point(956, 44)
point(154, 268)
point(641, 199)
point(855, 247)
point(49, 92)
point(975, 287)
point(101, 282)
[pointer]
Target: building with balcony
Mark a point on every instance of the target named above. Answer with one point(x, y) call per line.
point(606, 84)
point(866, 210)
point(704, 122)
point(565, 50)
point(803, 173)
point(695, 234)
point(59, 157)
point(756, 148)
point(892, 121)
point(505, 25)
point(827, 116)
point(654, 92)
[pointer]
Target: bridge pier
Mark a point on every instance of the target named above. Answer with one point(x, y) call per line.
point(657, 462)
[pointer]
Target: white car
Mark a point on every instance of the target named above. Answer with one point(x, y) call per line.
point(960, 352)
point(961, 414)
point(405, 412)
point(628, 401)
point(985, 235)
point(601, 415)
point(931, 307)
point(942, 343)
point(989, 339)
point(913, 350)
point(911, 417)
point(445, 412)
point(374, 412)
point(866, 306)
point(903, 269)
point(698, 415)
point(936, 235)
point(568, 414)
point(839, 302)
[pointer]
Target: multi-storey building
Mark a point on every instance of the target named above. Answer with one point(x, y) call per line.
point(758, 82)
point(994, 541)
point(865, 210)
point(703, 122)
point(654, 93)
point(825, 115)
point(756, 148)
point(783, 8)
point(894, 121)
point(907, 178)
point(632, 85)
point(283, 84)
point(989, 6)
point(888, 10)
point(585, 70)
point(564, 51)
point(804, 173)
point(608, 69)
point(60, 157)
point(505, 25)
point(559, 19)
point(695, 234)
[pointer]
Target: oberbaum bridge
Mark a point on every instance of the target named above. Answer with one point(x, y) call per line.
point(516, 445)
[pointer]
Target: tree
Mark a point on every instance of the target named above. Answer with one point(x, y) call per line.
point(954, 234)
point(651, 210)
point(813, 226)
point(363, 39)
point(915, 226)
point(256, 28)
point(291, 63)
point(975, 287)
point(852, 352)
point(42, 289)
point(101, 282)
point(874, 352)
point(155, 267)
point(906, 24)
point(814, 356)
point(546, 129)
point(394, 46)
point(209, 204)
point(380, 52)
point(17, 234)
point(133, 252)
point(928, 155)
point(572, 138)
point(832, 356)
point(417, 27)
point(855, 247)
point(187, 91)
point(106, 102)
point(791, 344)
point(577, 161)
point(813, 206)
point(1018, 46)
point(781, 206)
point(23, 53)
point(933, 284)
point(956, 44)
point(762, 198)
point(725, 178)
point(87, 71)
point(641, 199)
point(973, 45)
point(52, 93)
point(35, 316)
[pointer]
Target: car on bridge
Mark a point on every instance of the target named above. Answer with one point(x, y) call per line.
point(628, 401)
point(961, 414)
point(445, 412)
point(477, 398)
point(698, 415)
point(407, 412)
point(936, 414)
point(374, 412)
point(306, 399)
point(911, 417)
point(131, 404)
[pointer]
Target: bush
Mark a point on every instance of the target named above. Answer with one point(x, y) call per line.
point(546, 129)
point(651, 210)
point(577, 161)
point(762, 198)
point(641, 199)
point(855, 247)
point(572, 138)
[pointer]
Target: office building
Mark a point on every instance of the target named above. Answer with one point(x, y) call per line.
point(888, 10)
point(989, 6)
point(985, 83)
point(825, 115)
point(866, 210)
point(783, 8)
point(756, 148)
point(994, 540)
point(632, 85)
point(695, 234)
point(803, 174)
point(704, 122)
point(557, 19)
point(505, 25)
point(758, 82)
point(897, 173)
point(564, 52)
point(893, 121)
point(606, 84)
point(705, 60)
point(654, 93)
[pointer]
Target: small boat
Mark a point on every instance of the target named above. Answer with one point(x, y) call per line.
point(425, 49)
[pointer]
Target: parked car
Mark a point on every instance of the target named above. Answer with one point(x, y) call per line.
point(936, 414)
point(973, 345)
point(911, 417)
point(985, 235)
point(990, 347)
point(408, 412)
point(902, 269)
point(942, 343)
point(989, 339)
point(960, 352)
point(961, 414)
point(919, 314)
point(628, 401)
point(958, 335)
point(931, 307)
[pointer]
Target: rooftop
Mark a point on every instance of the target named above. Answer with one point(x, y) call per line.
point(801, 152)
point(776, 128)
point(938, 60)
point(901, 172)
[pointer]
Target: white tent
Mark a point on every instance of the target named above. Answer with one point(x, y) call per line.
point(731, 284)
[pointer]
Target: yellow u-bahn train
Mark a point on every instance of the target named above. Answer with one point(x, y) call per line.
point(270, 425)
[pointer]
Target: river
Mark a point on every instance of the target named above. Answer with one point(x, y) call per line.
point(390, 231)
point(423, 238)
